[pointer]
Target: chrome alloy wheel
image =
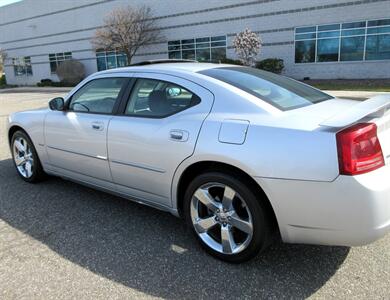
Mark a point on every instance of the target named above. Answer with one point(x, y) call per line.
point(221, 218)
point(23, 157)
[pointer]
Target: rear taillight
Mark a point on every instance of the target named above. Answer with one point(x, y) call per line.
point(359, 149)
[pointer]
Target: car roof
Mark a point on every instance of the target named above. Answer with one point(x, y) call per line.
point(192, 67)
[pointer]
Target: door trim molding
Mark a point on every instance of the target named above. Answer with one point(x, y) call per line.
point(78, 153)
point(139, 166)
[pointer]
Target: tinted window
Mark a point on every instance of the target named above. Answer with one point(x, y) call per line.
point(97, 96)
point(279, 91)
point(343, 42)
point(155, 98)
point(328, 50)
point(305, 51)
point(352, 48)
point(306, 29)
point(378, 47)
point(200, 49)
point(57, 58)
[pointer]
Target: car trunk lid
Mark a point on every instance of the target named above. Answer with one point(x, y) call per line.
point(375, 110)
point(375, 107)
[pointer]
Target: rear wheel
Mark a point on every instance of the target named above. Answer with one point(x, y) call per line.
point(25, 158)
point(226, 217)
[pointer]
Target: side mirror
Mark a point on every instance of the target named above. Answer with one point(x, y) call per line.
point(57, 104)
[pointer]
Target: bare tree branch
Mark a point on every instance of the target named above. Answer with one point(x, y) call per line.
point(127, 29)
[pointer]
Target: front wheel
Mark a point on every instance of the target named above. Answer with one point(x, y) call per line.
point(227, 217)
point(25, 158)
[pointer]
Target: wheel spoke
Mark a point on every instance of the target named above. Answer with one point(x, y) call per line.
point(203, 225)
point(228, 243)
point(28, 168)
point(19, 146)
point(228, 196)
point(204, 197)
point(241, 224)
point(19, 160)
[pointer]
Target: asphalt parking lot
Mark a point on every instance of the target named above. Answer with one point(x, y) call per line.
point(60, 240)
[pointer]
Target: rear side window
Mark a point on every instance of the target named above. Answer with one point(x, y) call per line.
point(97, 96)
point(279, 91)
point(158, 99)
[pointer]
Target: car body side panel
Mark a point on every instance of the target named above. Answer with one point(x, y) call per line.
point(32, 122)
point(292, 154)
point(351, 211)
point(73, 145)
point(143, 155)
point(277, 144)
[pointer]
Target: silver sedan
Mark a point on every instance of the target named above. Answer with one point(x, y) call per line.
point(242, 155)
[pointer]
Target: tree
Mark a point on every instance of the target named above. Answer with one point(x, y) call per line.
point(71, 72)
point(3, 56)
point(127, 29)
point(247, 46)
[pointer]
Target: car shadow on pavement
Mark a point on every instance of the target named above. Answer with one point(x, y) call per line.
point(152, 251)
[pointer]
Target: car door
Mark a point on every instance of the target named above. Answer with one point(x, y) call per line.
point(157, 131)
point(76, 138)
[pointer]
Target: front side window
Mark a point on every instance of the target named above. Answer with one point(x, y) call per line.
point(56, 59)
point(202, 49)
point(281, 92)
point(22, 66)
point(97, 96)
point(156, 98)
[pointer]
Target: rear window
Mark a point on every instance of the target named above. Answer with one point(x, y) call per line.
point(279, 91)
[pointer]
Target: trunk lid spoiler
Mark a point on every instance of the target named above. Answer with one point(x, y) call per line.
point(374, 107)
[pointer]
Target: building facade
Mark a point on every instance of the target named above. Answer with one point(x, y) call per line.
point(320, 39)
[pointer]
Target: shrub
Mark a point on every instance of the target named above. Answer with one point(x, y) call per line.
point(3, 80)
point(231, 61)
point(46, 81)
point(49, 82)
point(71, 72)
point(274, 65)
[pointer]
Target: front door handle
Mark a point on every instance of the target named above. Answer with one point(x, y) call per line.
point(179, 135)
point(99, 126)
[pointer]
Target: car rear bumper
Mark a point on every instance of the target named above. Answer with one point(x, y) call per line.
point(350, 211)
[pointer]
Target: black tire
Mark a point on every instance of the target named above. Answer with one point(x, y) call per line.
point(37, 171)
point(262, 226)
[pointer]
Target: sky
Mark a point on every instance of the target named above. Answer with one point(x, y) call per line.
point(6, 2)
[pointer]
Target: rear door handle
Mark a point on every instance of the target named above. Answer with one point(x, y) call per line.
point(99, 126)
point(179, 135)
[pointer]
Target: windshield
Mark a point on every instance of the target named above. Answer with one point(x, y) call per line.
point(279, 91)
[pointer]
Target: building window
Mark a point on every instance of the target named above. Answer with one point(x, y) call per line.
point(355, 41)
point(57, 58)
point(22, 66)
point(110, 60)
point(200, 49)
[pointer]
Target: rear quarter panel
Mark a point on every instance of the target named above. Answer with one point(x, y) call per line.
point(277, 144)
point(273, 152)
